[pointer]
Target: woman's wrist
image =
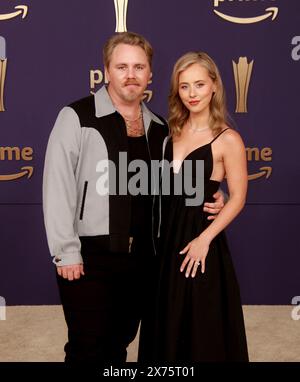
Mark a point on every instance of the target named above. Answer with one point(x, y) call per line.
point(204, 236)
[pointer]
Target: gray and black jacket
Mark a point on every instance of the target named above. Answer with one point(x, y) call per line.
point(86, 132)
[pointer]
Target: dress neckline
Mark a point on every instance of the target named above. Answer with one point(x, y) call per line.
point(187, 156)
point(195, 150)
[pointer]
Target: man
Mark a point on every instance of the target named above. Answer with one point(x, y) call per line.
point(103, 244)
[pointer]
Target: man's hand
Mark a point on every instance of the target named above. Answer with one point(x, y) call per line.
point(71, 272)
point(215, 208)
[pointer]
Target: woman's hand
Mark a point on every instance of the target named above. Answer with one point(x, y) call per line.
point(196, 252)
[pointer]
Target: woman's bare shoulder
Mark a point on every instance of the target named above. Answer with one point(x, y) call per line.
point(230, 136)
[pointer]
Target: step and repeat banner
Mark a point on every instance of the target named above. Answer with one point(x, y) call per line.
point(51, 55)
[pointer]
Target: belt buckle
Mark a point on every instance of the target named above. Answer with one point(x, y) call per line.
point(130, 243)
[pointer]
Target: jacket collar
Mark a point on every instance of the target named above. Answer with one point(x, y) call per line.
point(104, 106)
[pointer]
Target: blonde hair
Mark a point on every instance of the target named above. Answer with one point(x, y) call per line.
point(178, 113)
point(129, 38)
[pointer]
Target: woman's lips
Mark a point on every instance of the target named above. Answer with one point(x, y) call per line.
point(193, 103)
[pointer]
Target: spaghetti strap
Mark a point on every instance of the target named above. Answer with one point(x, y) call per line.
point(219, 135)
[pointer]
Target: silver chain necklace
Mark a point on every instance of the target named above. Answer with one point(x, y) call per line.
point(197, 129)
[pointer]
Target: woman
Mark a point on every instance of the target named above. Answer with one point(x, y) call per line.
point(197, 314)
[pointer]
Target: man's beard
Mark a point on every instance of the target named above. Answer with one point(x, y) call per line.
point(133, 94)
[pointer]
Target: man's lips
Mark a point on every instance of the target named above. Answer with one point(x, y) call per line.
point(132, 84)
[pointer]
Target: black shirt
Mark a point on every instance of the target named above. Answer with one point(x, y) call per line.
point(141, 204)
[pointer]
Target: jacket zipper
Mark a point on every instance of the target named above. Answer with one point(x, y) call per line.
point(153, 199)
point(165, 142)
point(83, 200)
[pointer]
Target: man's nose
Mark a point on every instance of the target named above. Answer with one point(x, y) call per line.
point(131, 72)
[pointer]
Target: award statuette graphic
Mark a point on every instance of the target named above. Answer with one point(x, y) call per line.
point(3, 65)
point(121, 13)
point(242, 75)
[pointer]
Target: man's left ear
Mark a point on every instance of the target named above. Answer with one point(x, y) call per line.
point(150, 78)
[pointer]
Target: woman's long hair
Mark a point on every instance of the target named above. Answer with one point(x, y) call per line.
point(178, 113)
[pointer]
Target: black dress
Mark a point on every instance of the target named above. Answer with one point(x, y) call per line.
point(201, 318)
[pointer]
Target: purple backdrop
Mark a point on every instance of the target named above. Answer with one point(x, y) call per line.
point(50, 54)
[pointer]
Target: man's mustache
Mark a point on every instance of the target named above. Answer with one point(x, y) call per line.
point(131, 83)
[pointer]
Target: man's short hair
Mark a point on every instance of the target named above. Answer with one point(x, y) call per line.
point(129, 38)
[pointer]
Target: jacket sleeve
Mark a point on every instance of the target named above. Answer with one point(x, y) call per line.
point(59, 188)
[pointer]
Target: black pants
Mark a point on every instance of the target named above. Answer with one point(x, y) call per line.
point(103, 308)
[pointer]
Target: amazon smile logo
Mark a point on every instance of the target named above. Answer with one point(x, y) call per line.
point(22, 11)
point(268, 13)
point(255, 154)
point(16, 154)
